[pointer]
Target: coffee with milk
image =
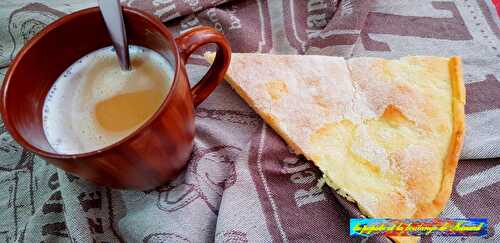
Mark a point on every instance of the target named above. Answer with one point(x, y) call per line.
point(94, 103)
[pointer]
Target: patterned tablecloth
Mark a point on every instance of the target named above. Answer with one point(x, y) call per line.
point(242, 183)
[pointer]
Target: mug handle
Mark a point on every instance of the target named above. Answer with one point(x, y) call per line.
point(191, 40)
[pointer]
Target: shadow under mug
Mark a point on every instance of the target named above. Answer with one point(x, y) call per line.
point(153, 154)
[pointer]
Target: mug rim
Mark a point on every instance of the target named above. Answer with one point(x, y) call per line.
point(153, 20)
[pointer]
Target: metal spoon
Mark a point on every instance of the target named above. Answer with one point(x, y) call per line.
point(113, 18)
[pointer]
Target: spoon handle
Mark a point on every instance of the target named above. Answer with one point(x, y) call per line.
point(113, 18)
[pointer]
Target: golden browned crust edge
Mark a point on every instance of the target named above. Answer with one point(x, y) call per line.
point(405, 239)
point(454, 149)
point(457, 137)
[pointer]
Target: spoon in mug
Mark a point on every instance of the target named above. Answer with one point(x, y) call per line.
point(113, 18)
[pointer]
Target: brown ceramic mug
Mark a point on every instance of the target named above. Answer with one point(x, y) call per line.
point(153, 154)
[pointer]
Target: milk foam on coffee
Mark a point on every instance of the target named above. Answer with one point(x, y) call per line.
point(94, 103)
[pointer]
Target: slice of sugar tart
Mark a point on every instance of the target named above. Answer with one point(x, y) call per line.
point(386, 134)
